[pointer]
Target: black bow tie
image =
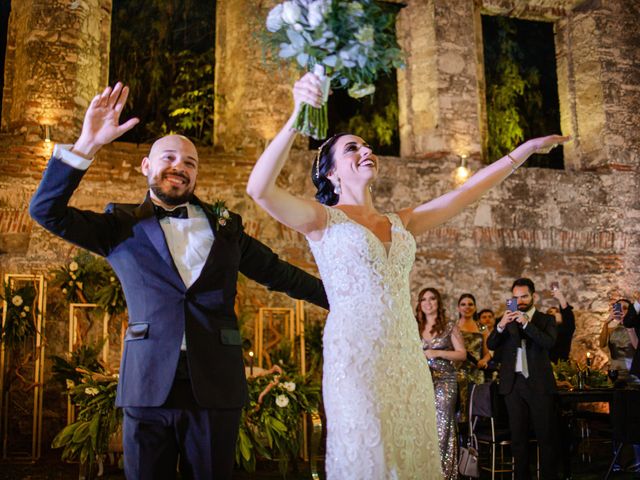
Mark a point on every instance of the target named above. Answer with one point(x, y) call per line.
point(178, 212)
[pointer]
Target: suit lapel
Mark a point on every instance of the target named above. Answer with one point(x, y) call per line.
point(152, 228)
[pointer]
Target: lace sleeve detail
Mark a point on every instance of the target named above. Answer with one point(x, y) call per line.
point(330, 213)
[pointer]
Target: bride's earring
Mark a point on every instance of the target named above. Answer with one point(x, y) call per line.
point(336, 188)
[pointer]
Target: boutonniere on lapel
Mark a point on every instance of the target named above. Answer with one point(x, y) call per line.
point(221, 213)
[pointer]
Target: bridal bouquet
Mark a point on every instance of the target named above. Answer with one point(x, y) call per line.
point(346, 43)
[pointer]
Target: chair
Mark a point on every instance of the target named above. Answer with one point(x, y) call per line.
point(489, 423)
point(625, 421)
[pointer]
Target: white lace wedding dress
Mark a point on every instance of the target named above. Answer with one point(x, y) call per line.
point(377, 389)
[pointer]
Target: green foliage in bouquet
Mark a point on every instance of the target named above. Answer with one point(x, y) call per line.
point(98, 419)
point(353, 41)
point(270, 426)
point(90, 279)
point(20, 323)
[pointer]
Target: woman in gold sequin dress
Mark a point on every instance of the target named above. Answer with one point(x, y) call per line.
point(442, 344)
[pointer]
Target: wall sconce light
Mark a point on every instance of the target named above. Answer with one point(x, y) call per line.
point(462, 172)
point(47, 133)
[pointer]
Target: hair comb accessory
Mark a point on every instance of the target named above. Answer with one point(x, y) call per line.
point(319, 154)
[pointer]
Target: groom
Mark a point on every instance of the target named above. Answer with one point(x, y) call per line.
point(182, 382)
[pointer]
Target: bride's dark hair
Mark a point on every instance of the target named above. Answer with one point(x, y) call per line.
point(323, 166)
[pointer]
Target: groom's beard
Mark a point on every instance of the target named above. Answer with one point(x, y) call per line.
point(170, 196)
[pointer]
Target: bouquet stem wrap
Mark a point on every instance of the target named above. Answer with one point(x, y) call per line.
point(312, 121)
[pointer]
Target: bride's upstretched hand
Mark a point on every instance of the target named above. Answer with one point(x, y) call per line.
point(307, 89)
point(546, 144)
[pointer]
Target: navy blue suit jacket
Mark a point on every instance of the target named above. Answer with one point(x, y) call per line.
point(161, 308)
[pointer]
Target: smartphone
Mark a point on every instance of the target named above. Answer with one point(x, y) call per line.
point(555, 286)
point(617, 308)
point(512, 304)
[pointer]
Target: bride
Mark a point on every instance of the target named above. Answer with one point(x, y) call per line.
point(377, 390)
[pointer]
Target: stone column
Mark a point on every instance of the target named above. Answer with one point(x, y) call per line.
point(598, 80)
point(59, 59)
point(253, 96)
point(438, 91)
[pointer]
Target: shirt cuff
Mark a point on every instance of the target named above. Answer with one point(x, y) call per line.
point(500, 330)
point(636, 305)
point(525, 325)
point(64, 153)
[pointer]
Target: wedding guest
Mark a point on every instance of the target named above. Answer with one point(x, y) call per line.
point(442, 344)
point(619, 340)
point(470, 370)
point(526, 380)
point(632, 320)
point(622, 343)
point(565, 324)
point(487, 318)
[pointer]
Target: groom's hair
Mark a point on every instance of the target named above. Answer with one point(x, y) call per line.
point(322, 167)
point(524, 282)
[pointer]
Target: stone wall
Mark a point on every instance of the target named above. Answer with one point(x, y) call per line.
point(575, 227)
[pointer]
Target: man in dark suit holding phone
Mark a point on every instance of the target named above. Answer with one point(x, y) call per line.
point(182, 383)
point(525, 336)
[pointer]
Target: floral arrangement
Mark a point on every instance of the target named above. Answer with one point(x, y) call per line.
point(20, 322)
point(270, 424)
point(352, 41)
point(87, 439)
point(90, 279)
point(568, 373)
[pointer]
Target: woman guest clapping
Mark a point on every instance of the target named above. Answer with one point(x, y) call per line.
point(442, 344)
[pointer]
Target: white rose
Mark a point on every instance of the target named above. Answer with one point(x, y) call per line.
point(17, 300)
point(291, 12)
point(291, 386)
point(73, 266)
point(64, 290)
point(225, 214)
point(274, 19)
point(71, 283)
point(112, 279)
point(73, 275)
point(91, 391)
point(70, 384)
point(317, 10)
point(26, 308)
point(282, 401)
point(23, 315)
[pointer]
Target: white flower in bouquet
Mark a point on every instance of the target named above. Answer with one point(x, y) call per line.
point(70, 384)
point(274, 19)
point(282, 400)
point(91, 391)
point(291, 12)
point(23, 315)
point(26, 308)
point(73, 266)
point(317, 12)
point(355, 9)
point(359, 91)
point(365, 35)
point(64, 290)
point(290, 386)
point(17, 300)
point(112, 279)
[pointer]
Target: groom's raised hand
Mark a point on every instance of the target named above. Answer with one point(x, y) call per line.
point(102, 121)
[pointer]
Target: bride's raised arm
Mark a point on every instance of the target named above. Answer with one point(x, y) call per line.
point(441, 209)
point(305, 216)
